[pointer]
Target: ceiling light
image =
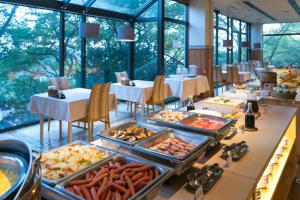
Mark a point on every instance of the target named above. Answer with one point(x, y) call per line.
point(125, 34)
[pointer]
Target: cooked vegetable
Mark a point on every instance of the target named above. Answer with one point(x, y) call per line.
point(67, 160)
point(131, 134)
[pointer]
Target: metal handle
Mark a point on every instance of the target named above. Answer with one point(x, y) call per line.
point(37, 159)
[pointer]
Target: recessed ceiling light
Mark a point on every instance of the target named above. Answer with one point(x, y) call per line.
point(286, 11)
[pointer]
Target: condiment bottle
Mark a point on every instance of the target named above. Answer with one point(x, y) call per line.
point(190, 104)
point(249, 117)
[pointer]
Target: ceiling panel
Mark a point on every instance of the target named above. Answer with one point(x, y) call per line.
point(259, 11)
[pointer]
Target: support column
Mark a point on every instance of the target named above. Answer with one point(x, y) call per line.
point(201, 37)
point(83, 57)
point(131, 56)
point(161, 37)
point(62, 47)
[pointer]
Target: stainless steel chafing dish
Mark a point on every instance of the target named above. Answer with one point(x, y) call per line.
point(54, 182)
point(18, 156)
point(150, 191)
point(179, 164)
point(105, 133)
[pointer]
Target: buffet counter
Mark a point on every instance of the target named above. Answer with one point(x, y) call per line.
point(240, 180)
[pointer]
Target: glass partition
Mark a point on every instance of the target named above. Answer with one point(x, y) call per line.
point(29, 49)
point(105, 54)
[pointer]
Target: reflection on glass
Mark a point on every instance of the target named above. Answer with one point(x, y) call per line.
point(235, 49)
point(105, 54)
point(73, 49)
point(222, 56)
point(145, 55)
point(174, 10)
point(28, 57)
point(174, 47)
point(282, 50)
point(122, 6)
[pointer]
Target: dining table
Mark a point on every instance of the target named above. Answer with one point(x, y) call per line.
point(244, 76)
point(183, 86)
point(138, 94)
point(70, 109)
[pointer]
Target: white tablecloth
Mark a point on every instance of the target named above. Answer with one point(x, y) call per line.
point(183, 87)
point(72, 108)
point(140, 93)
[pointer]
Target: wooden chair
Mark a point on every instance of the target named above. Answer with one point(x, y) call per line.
point(61, 83)
point(158, 93)
point(98, 107)
point(232, 76)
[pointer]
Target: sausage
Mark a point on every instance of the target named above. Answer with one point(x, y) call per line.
point(117, 176)
point(104, 183)
point(117, 164)
point(96, 180)
point(133, 165)
point(150, 173)
point(94, 193)
point(80, 182)
point(94, 172)
point(86, 193)
point(141, 185)
point(108, 196)
point(126, 195)
point(119, 182)
point(145, 178)
point(111, 165)
point(105, 191)
point(77, 190)
point(111, 175)
point(130, 185)
point(70, 189)
point(137, 176)
point(118, 187)
point(87, 176)
point(156, 173)
point(118, 195)
point(142, 169)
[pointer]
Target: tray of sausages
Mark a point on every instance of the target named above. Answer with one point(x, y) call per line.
point(120, 178)
point(175, 148)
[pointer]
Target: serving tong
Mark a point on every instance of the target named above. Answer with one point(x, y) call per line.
point(236, 150)
point(206, 177)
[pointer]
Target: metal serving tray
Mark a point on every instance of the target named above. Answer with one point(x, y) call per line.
point(105, 133)
point(150, 191)
point(214, 133)
point(179, 164)
point(55, 182)
point(166, 123)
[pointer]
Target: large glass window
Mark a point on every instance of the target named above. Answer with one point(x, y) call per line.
point(233, 29)
point(174, 10)
point(73, 50)
point(281, 44)
point(145, 55)
point(29, 49)
point(105, 54)
point(174, 47)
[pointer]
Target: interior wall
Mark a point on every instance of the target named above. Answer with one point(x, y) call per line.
point(201, 37)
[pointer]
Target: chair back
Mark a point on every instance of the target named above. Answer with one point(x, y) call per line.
point(218, 74)
point(104, 101)
point(158, 93)
point(61, 83)
point(232, 74)
point(121, 75)
point(94, 103)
